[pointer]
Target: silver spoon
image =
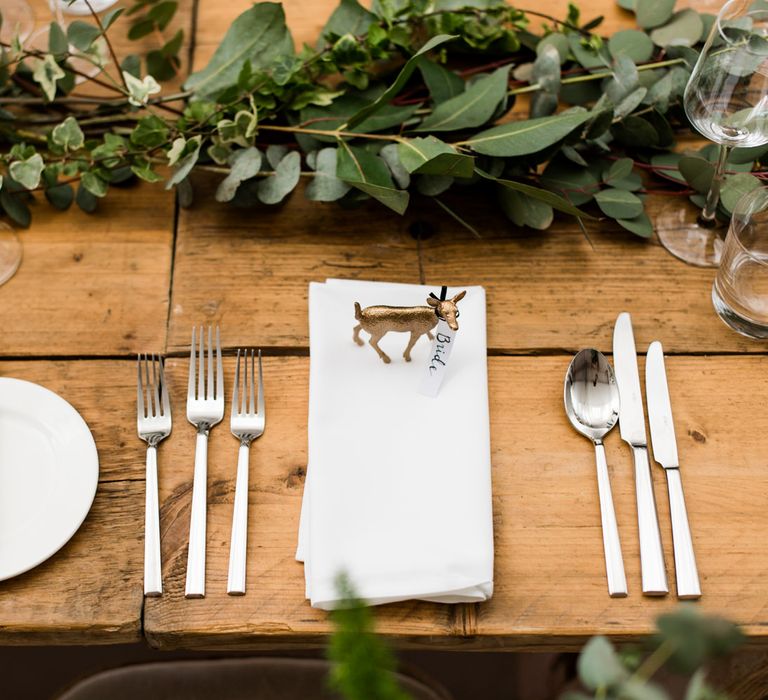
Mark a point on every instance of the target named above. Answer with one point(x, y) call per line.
point(592, 405)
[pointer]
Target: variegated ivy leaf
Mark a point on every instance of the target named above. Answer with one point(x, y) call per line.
point(68, 134)
point(27, 172)
point(46, 74)
point(176, 150)
point(139, 91)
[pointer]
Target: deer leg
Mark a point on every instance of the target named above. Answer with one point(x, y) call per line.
point(415, 335)
point(430, 336)
point(374, 342)
point(356, 334)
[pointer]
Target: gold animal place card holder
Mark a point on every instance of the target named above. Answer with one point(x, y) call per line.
point(437, 320)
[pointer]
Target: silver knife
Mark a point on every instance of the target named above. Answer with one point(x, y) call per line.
point(665, 453)
point(632, 426)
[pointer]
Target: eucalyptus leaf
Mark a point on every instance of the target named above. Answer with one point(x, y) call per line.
point(684, 29)
point(574, 156)
point(473, 107)
point(619, 204)
point(57, 40)
point(389, 154)
point(618, 170)
point(641, 225)
point(348, 17)
point(442, 83)
point(400, 81)
point(635, 132)
point(559, 42)
point(554, 200)
point(588, 58)
point(430, 156)
point(698, 172)
point(598, 664)
point(633, 43)
point(276, 153)
point(245, 164)
point(735, 187)
point(523, 210)
point(577, 185)
point(632, 182)
point(630, 103)
point(368, 173)
point(82, 34)
point(653, 13)
point(747, 155)
point(325, 186)
point(274, 188)
point(433, 185)
point(626, 4)
point(524, 137)
point(259, 36)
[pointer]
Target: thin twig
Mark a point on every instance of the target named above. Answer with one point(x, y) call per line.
point(111, 48)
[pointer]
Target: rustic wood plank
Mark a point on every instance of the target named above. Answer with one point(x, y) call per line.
point(550, 587)
point(250, 270)
point(550, 580)
point(92, 284)
point(90, 592)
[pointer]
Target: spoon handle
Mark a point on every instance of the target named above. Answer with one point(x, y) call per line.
point(614, 562)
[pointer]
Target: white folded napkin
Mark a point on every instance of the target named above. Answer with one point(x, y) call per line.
point(398, 490)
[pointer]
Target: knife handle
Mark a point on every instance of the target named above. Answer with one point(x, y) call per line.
point(614, 562)
point(686, 573)
point(651, 554)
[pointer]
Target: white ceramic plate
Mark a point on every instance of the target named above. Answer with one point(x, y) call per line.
point(49, 470)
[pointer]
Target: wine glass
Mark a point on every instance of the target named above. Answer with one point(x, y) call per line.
point(726, 100)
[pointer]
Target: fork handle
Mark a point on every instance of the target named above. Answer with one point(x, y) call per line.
point(238, 545)
point(195, 587)
point(153, 579)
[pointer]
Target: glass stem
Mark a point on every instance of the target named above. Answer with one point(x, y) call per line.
point(713, 198)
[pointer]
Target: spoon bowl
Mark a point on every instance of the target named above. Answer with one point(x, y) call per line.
point(591, 395)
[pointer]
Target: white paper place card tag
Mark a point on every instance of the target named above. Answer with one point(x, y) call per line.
point(437, 365)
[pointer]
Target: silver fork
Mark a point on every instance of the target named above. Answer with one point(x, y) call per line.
point(205, 408)
point(154, 425)
point(247, 424)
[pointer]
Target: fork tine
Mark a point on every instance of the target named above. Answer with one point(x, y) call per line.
point(233, 411)
point(148, 388)
point(219, 368)
point(164, 390)
point(261, 406)
point(201, 368)
point(156, 386)
point(191, 385)
point(244, 398)
point(209, 395)
point(251, 390)
point(139, 389)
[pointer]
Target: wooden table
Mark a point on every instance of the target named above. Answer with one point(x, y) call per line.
point(94, 290)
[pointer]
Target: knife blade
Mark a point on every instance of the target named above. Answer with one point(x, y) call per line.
point(665, 453)
point(632, 428)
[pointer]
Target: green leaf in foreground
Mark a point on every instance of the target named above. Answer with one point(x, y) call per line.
point(529, 136)
point(259, 35)
point(640, 225)
point(554, 200)
point(599, 666)
point(431, 156)
point(735, 187)
point(400, 81)
point(369, 173)
point(473, 107)
point(685, 29)
point(653, 13)
point(523, 210)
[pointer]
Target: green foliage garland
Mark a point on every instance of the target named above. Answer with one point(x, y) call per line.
point(405, 99)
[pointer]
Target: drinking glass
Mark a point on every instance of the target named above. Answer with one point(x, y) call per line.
point(10, 252)
point(726, 100)
point(740, 291)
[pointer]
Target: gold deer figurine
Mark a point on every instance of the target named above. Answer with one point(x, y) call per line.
point(416, 320)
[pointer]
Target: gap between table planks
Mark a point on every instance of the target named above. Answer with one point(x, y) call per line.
point(547, 527)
